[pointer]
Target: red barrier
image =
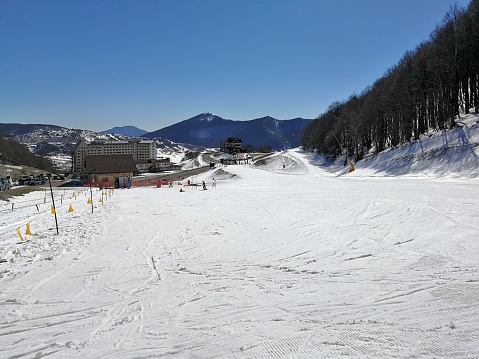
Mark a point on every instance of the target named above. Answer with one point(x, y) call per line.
point(143, 182)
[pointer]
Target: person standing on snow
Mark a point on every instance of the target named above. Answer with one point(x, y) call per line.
point(204, 186)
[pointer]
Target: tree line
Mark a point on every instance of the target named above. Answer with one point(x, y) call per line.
point(17, 154)
point(427, 89)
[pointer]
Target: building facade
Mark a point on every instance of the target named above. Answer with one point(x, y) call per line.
point(114, 171)
point(233, 145)
point(142, 150)
point(161, 164)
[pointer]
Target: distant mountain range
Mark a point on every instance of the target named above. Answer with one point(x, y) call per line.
point(127, 131)
point(205, 130)
point(34, 133)
point(209, 130)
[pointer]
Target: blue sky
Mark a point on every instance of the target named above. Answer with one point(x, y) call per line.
point(96, 64)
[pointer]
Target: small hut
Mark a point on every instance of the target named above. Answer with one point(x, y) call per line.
point(110, 170)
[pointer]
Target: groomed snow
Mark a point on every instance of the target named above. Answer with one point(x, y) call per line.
point(280, 260)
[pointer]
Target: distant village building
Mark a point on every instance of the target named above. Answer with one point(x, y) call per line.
point(162, 164)
point(140, 150)
point(233, 145)
point(110, 170)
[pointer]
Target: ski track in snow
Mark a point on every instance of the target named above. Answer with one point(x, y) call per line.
point(277, 262)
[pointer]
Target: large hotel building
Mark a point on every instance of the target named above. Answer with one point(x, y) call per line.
point(140, 150)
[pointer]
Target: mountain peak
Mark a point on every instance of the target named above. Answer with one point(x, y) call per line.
point(127, 131)
point(267, 118)
point(207, 116)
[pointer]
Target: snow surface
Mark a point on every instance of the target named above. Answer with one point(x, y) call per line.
point(282, 259)
point(448, 153)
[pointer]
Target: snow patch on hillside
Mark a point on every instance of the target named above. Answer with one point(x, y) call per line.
point(452, 153)
point(282, 162)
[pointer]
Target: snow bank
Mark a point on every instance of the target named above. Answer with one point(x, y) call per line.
point(450, 153)
point(282, 162)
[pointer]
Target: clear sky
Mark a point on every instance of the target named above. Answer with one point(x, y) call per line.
point(96, 64)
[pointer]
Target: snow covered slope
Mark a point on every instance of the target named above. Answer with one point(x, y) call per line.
point(451, 153)
point(280, 260)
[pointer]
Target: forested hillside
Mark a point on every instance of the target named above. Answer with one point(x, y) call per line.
point(15, 153)
point(426, 90)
